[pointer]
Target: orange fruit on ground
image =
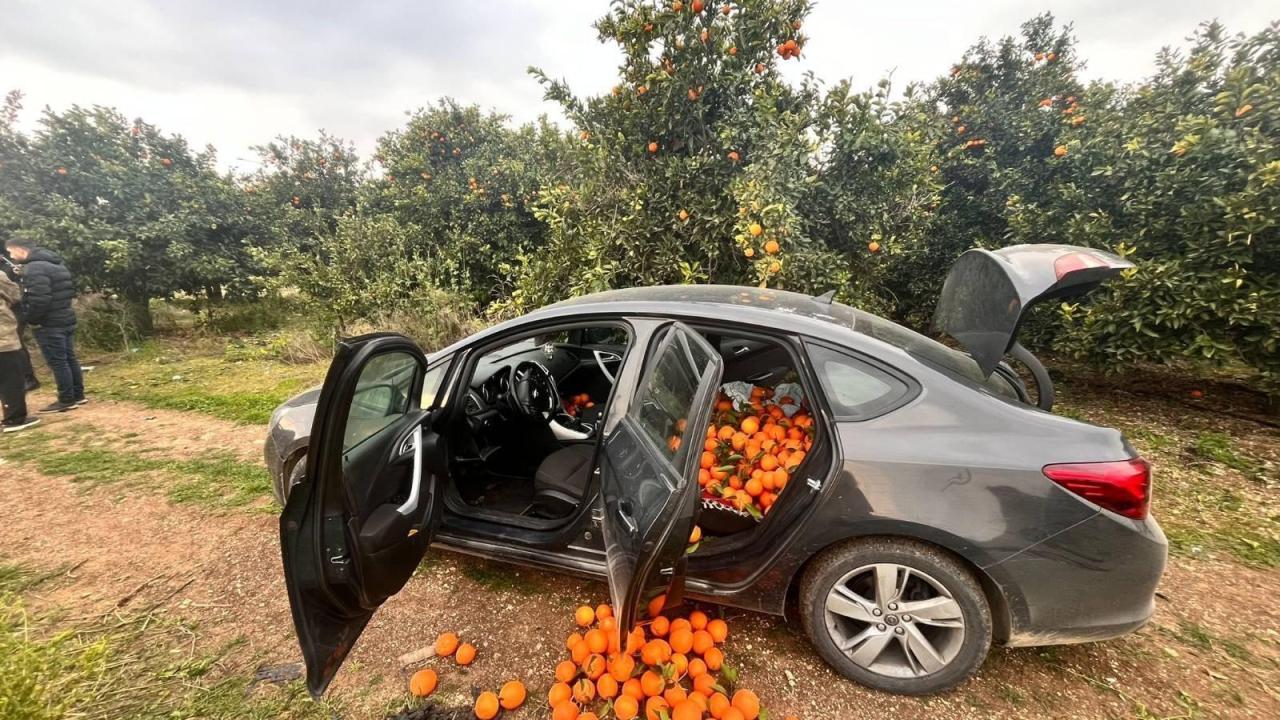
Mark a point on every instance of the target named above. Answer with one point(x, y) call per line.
point(626, 708)
point(596, 641)
point(656, 605)
point(680, 662)
point(565, 710)
point(633, 689)
point(675, 695)
point(718, 704)
point(487, 705)
point(423, 683)
point(772, 247)
point(607, 687)
point(719, 630)
point(660, 626)
point(512, 695)
point(573, 639)
point(655, 708)
point(686, 710)
point(697, 668)
point(584, 691)
point(680, 624)
point(1060, 151)
point(733, 713)
point(580, 652)
point(588, 716)
point(714, 659)
point(594, 666)
point(466, 654)
point(705, 684)
point(584, 616)
point(559, 693)
point(747, 702)
point(652, 683)
point(635, 641)
point(703, 641)
point(621, 667)
point(446, 644)
point(566, 671)
point(603, 611)
point(655, 652)
point(682, 639)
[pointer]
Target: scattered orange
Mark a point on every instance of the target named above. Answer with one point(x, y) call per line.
point(512, 695)
point(584, 616)
point(686, 710)
point(621, 667)
point(703, 641)
point(566, 671)
point(597, 641)
point(487, 705)
point(1060, 151)
point(719, 630)
point(565, 710)
point(873, 246)
point(652, 683)
point(718, 704)
point(755, 229)
point(747, 702)
point(446, 644)
point(584, 691)
point(714, 659)
point(466, 654)
point(559, 693)
point(594, 666)
point(655, 708)
point(607, 687)
point(626, 708)
point(660, 626)
point(423, 683)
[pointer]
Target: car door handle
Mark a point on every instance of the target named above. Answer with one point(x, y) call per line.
point(415, 481)
point(624, 514)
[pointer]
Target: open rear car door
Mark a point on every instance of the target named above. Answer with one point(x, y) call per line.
point(648, 468)
point(353, 532)
point(987, 293)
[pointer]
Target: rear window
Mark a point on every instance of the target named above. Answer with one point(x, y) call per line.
point(856, 389)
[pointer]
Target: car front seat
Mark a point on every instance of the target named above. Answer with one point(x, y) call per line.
point(564, 474)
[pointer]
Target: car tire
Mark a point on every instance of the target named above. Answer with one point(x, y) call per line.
point(297, 472)
point(931, 652)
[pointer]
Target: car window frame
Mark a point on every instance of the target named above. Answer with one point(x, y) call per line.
point(911, 388)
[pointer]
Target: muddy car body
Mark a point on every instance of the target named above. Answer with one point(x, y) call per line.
point(939, 511)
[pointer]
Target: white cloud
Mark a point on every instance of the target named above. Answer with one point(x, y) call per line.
point(235, 73)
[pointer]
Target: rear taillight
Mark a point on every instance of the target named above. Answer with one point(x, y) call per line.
point(1071, 262)
point(1123, 487)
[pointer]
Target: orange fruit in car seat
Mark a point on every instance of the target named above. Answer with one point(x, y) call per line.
point(768, 462)
point(446, 644)
point(564, 710)
point(754, 488)
point(702, 641)
point(594, 666)
point(466, 654)
point(566, 671)
point(655, 708)
point(686, 710)
point(746, 702)
point(607, 687)
point(558, 693)
point(697, 667)
point(696, 536)
point(750, 425)
point(738, 440)
point(423, 683)
point(719, 630)
point(711, 445)
point(626, 708)
point(675, 695)
point(597, 641)
point(621, 667)
point(512, 695)
point(726, 432)
point(660, 626)
point(708, 459)
point(584, 691)
point(487, 705)
point(652, 683)
point(681, 640)
point(718, 704)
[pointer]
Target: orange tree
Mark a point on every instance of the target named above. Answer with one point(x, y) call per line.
point(301, 189)
point(698, 165)
point(1182, 174)
point(459, 182)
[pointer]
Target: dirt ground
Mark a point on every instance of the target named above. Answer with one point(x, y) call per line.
point(1212, 650)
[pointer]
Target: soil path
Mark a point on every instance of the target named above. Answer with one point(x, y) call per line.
point(1205, 654)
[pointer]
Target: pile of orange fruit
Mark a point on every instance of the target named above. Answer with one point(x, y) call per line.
point(424, 682)
point(749, 455)
point(576, 403)
point(669, 668)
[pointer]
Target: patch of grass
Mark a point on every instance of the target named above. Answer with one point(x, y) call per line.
point(126, 666)
point(216, 479)
point(19, 578)
point(1243, 542)
point(1204, 640)
point(1219, 448)
point(497, 577)
point(201, 377)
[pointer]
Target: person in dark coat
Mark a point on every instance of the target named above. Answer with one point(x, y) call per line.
point(10, 271)
point(13, 393)
point(47, 293)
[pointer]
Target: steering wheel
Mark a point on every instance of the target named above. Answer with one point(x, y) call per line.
point(533, 391)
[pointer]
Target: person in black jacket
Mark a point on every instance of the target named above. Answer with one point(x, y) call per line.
point(24, 357)
point(48, 290)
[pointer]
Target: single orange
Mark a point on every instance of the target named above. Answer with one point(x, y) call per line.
point(584, 616)
point(559, 693)
point(733, 713)
point(718, 704)
point(697, 668)
point(597, 641)
point(603, 611)
point(705, 684)
point(626, 708)
point(565, 710)
point(423, 683)
point(446, 644)
point(675, 695)
point(655, 708)
point(633, 689)
point(660, 626)
point(655, 652)
point(714, 659)
point(584, 691)
point(652, 683)
point(466, 654)
point(594, 666)
point(747, 702)
point(573, 639)
point(682, 640)
point(702, 642)
point(566, 671)
point(686, 710)
point(719, 630)
point(487, 705)
point(621, 667)
point(607, 687)
point(512, 695)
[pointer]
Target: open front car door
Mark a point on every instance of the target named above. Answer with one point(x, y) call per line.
point(355, 529)
point(649, 484)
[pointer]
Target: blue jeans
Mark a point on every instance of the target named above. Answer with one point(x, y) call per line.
point(58, 347)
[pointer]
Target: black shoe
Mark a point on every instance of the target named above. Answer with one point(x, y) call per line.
point(82, 401)
point(57, 407)
point(20, 425)
point(33, 385)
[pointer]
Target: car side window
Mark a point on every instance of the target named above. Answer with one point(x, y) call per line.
point(856, 389)
point(667, 392)
point(431, 383)
point(382, 396)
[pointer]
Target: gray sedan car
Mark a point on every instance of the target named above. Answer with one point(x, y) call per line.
point(934, 506)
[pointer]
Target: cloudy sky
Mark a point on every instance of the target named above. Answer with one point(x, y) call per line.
point(234, 73)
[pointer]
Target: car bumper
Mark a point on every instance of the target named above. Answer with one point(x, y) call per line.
point(1095, 580)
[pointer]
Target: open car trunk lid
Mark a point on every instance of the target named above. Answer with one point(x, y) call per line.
point(988, 292)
